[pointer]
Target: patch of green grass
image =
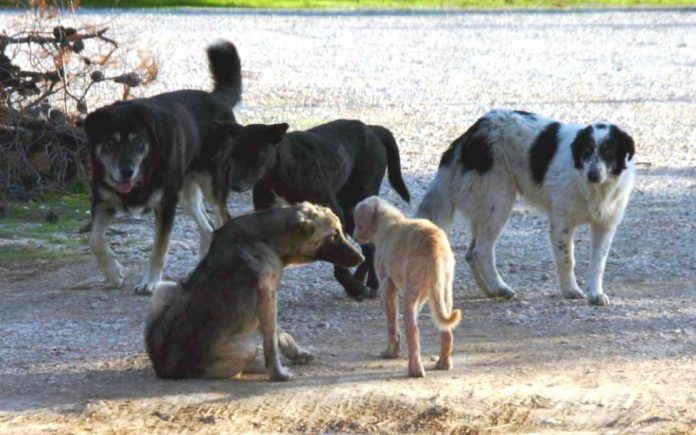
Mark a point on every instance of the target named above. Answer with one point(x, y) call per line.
point(16, 253)
point(27, 234)
point(380, 4)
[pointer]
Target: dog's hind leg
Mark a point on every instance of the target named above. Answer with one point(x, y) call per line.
point(164, 220)
point(601, 242)
point(487, 222)
point(411, 308)
point(233, 357)
point(291, 350)
point(192, 201)
point(562, 246)
point(112, 269)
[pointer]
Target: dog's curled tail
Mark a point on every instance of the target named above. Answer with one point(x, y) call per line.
point(441, 297)
point(226, 68)
point(393, 161)
point(438, 205)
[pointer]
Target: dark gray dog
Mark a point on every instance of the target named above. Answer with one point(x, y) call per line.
point(337, 165)
point(148, 152)
point(206, 326)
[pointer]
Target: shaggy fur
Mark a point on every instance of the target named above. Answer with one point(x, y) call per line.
point(336, 164)
point(206, 326)
point(576, 174)
point(413, 256)
point(147, 152)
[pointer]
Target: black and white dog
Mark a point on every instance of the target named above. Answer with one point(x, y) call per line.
point(576, 174)
point(146, 152)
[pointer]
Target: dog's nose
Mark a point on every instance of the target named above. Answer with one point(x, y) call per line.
point(126, 172)
point(236, 185)
point(593, 177)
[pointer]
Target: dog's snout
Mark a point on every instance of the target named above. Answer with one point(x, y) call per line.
point(593, 176)
point(340, 252)
point(126, 172)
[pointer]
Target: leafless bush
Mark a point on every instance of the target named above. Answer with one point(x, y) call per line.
point(47, 70)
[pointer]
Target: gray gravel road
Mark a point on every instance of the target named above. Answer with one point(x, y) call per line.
point(428, 75)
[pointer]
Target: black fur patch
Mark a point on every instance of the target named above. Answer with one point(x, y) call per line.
point(583, 140)
point(529, 115)
point(623, 146)
point(474, 149)
point(542, 151)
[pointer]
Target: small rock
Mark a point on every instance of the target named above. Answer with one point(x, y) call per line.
point(551, 422)
point(544, 277)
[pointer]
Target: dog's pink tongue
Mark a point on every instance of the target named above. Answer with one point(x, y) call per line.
point(124, 186)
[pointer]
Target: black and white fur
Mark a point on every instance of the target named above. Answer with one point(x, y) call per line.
point(576, 174)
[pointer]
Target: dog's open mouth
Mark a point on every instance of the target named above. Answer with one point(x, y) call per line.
point(124, 186)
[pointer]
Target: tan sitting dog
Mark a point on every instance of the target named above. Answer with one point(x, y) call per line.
point(414, 256)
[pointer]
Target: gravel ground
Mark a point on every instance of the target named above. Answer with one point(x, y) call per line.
point(71, 353)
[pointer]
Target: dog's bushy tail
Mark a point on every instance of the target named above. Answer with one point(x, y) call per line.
point(441, 297)
point(438, 205)
point(226, 68)
point(393, 161)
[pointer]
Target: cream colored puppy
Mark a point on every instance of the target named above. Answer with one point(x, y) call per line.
point(414, 256)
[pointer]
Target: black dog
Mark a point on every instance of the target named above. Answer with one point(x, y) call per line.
point(206, 326)
point(146, 152)
point(337, 164)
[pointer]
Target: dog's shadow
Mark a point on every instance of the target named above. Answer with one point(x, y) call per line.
point(74, 391)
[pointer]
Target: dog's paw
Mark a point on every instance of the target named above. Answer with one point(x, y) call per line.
point(115, 275)
point(575, 293)
point(599, 300)
point(145, 288)
point(303, 357)
point(280, 374)
point(371, 292)
point(416, 372)
point(357, 291)
point(503, 292)
point(390, 354)
point(444, 364)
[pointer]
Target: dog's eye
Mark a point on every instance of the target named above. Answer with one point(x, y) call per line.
point(139, 145)
point(607, 151)
point(587, 152)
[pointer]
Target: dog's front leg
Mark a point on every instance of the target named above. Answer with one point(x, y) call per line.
point(292, 350)
point(102, 216)
point(601, 242)
point(562, 245)
point(164, 220)
point(266, 311)
point(391, 306)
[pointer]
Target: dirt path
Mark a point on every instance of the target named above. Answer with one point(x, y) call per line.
point(72, 355)
point(71, 352)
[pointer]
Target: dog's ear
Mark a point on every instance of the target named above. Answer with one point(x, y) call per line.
point(301, 227)
point(276, 132)
point(96, 123)
point(150, 122)
point(624, 146)
point(231, 128)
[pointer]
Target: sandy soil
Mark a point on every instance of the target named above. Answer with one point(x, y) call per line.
point(71, 351)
